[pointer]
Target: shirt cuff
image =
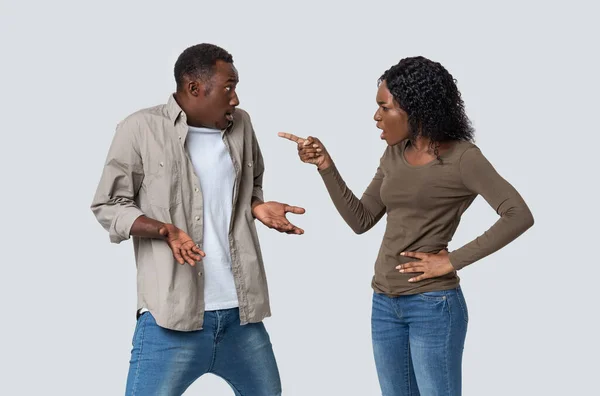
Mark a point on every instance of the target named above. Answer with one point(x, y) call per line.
point(456, 261)
point(120, 229)
point(257, 194)
point(328, 171)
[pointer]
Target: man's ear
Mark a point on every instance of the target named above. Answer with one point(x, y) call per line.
point(199, 88)
point(195, 88)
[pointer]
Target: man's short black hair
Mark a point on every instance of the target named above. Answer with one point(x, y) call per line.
point(198, 62)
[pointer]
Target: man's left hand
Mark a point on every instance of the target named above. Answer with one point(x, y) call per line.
point(272, 214)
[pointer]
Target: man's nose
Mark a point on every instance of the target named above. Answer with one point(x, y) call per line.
point(235, 101)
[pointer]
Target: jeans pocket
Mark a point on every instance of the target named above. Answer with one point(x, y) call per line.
point(435, 296)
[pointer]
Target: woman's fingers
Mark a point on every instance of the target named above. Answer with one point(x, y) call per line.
point(411, 267)
point(420, 278)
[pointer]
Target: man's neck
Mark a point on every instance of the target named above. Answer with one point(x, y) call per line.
point(182, 102)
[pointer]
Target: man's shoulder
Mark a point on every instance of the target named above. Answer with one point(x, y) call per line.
point(146, 116)
point(242, 122)
point(242, 115)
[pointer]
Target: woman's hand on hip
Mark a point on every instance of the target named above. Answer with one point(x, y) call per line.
point(431, 265)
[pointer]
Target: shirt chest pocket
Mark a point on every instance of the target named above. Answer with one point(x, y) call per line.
point(163, 183)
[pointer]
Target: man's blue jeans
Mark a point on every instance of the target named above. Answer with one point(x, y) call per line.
point(167, 362)
point(418, 342)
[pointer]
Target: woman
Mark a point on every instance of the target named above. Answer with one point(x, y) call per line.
point(428, 176)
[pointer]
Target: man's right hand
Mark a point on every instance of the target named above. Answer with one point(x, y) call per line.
point(310, 150)
point(183, 247)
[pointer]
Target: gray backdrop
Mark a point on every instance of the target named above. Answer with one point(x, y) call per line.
point(528, 72)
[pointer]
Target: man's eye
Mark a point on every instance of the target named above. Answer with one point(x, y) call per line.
point(384, 108)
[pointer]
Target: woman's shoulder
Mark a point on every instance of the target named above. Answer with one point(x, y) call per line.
point(464, 145)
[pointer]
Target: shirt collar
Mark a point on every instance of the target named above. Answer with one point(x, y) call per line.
point(174, 111)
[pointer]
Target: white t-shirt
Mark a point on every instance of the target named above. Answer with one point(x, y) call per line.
point(214, 167)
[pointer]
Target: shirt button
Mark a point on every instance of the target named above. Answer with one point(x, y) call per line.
point(196, 189)
point(162, 164)
point(199, 273)
point(179, 137)
point(197, 218)
point(249, 164)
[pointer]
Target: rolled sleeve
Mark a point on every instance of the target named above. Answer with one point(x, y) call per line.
point(120, 228)
point(114, 202)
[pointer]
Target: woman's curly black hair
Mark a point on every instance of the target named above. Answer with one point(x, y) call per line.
point(427, 92)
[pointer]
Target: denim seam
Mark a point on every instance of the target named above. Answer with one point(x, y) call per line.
point(395, 307)
point(447, 347)
point(137, 369)
point(406, 368)
point(408, 376)
point(392, 303)
point(214, 349)
point(464, 310)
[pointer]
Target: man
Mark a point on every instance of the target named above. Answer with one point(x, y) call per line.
point(185, 180)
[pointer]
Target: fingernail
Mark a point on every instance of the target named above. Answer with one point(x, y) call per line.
point(402, 254)
point(410, 280)
point(401, 270)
